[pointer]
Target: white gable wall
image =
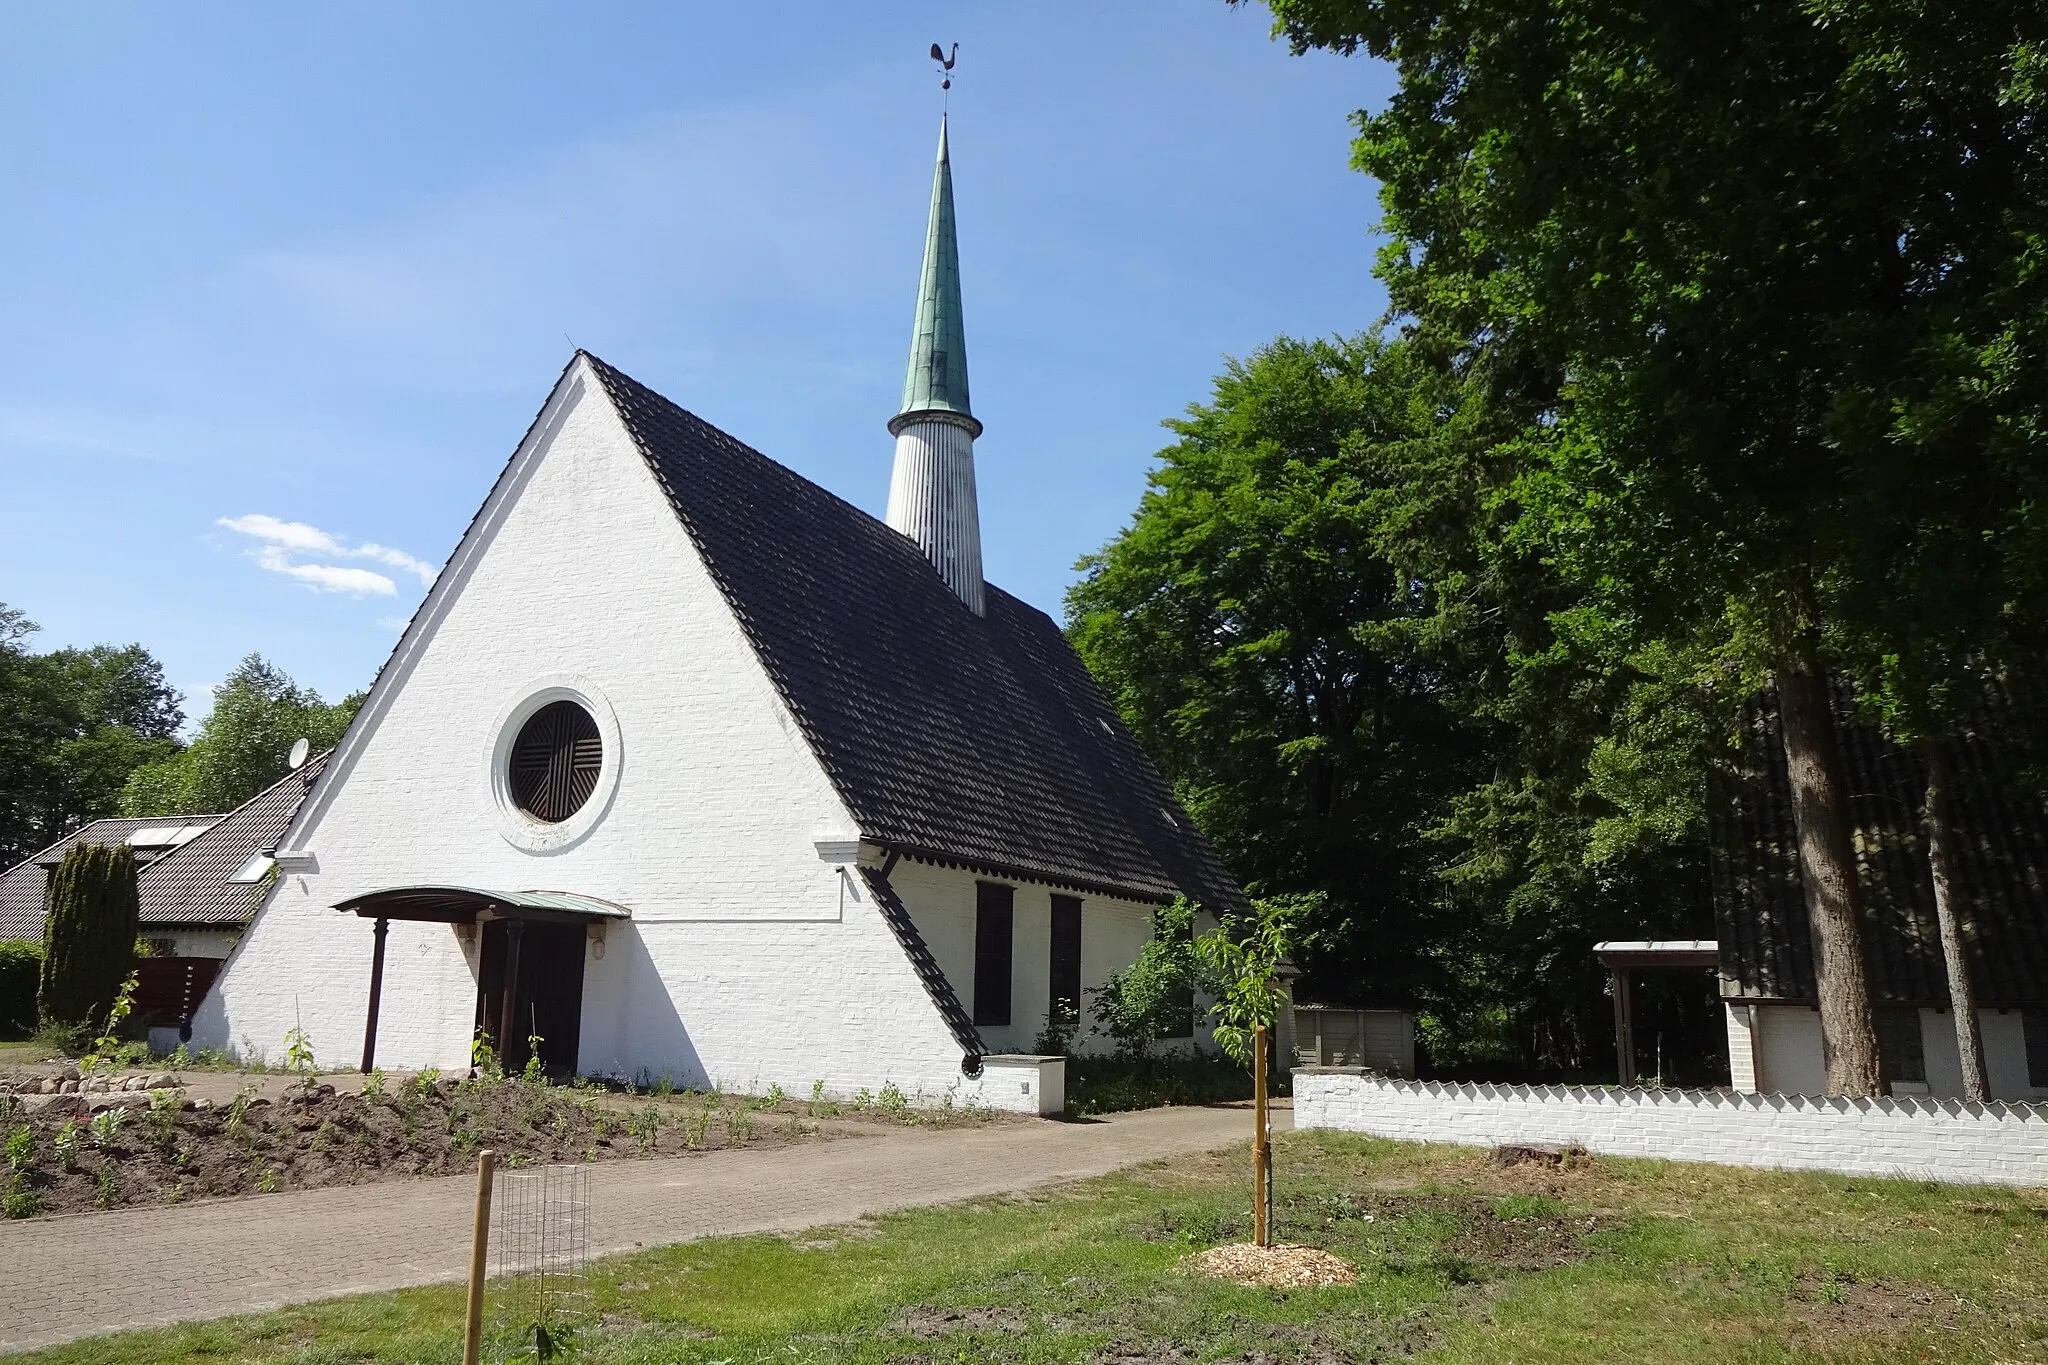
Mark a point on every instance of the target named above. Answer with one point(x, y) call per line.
point(748, 960)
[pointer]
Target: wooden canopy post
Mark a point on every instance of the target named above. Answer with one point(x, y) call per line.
point(506, 1004)
point(376, 995)
point(1624, 1025)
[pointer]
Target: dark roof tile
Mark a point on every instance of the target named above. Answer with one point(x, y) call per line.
point(2002, 868)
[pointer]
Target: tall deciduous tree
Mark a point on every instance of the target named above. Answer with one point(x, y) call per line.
point(1253, 629)
point(74, 724)
point(243, 745)
point(1746, 240)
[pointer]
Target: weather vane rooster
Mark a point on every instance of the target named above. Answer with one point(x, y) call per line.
point(945, 62)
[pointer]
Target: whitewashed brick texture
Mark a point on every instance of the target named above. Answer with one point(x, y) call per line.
point(748, 961)
point(1911, 1138)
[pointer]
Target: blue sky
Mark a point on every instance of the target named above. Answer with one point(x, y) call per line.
point(311, 270)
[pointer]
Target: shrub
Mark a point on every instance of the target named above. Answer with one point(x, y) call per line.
point(1154, 997)
point(1110, 1085)
point(89, 935)
point(21, 966)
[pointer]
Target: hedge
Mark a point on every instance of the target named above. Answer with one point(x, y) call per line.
point(21, 963)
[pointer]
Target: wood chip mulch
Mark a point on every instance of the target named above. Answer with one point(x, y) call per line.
point(1274, 1267)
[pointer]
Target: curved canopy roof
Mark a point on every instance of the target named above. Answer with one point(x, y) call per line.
point(470, 904)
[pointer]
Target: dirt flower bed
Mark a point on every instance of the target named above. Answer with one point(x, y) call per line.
point(173, 1149)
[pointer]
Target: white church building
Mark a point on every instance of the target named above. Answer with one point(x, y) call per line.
point(688, 768)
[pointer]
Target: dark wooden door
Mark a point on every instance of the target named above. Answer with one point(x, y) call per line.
point(548, 997)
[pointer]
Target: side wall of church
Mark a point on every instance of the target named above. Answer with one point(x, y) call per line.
point(748, 960)
point(941, 901)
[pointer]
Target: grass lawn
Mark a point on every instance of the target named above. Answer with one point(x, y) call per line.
point(1458, 1260)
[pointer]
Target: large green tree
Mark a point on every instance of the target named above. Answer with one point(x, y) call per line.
point(1278, 664)
point(1744, 260)
point(242, 746)
point(74, 725)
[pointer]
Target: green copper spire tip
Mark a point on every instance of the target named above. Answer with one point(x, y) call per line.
point(937, 379)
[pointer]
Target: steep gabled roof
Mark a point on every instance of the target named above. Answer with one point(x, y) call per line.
point(977, 740)
point(190, 886)
point(2002, 869)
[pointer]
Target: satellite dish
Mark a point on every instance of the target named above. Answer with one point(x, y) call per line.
point(300, 748)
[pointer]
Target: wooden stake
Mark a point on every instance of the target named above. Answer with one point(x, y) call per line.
point(1262, 1235)
point(479, 1246)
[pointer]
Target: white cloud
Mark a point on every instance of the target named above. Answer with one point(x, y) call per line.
point(292, 535)
point(399, 559)
point(284, 541)
point(327, 577)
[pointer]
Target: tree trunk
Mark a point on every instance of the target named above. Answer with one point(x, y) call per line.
point(1962, 996)
point(1827, 867)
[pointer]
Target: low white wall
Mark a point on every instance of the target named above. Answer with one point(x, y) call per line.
point(1918, 1139)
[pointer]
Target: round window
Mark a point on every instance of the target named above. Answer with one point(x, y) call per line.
point(555, 762)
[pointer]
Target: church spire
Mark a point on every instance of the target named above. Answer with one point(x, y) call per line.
point(931, 492)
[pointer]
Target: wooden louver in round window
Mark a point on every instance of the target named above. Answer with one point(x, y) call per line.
point(555, 761)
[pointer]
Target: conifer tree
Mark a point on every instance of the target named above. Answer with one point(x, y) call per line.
point(88, 936)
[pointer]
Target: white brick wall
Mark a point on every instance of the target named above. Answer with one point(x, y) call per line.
point(941, 902)
point(1920, 1139)
point(748, 961)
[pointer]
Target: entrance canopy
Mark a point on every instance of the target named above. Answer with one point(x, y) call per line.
point(1659, 952)
point(472, 905)
point(1623, 956)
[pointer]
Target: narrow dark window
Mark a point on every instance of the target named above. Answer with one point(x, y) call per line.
point(994, 922)
point(2035, 1025)
point(1899, 1048)
point(1066, 951)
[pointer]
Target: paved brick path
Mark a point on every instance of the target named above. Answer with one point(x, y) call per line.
point(64, 1278)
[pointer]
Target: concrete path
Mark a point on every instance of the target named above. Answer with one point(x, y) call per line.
point(70, 1277)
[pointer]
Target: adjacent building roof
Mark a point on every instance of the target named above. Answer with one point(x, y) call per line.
point(195, 884)
point(23, 886)
point(187, 861)
point(2002, 870)
point(976, 740)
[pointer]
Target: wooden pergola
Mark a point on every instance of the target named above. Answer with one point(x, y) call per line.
point(1621, 957)
point(467, 905)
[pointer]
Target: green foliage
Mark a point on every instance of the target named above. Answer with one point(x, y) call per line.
point(1597, 214)
point(106, 1051)
point(1056, 1037)
point(1113, 1085)
point(74, 724)
point(243, 744)
point(1243, 961)
point(21, 967)
point(298, 1053)
point(1154, 997)
point(88, 936)
point(1270, 630)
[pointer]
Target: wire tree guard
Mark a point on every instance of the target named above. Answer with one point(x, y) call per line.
point(540, 1293)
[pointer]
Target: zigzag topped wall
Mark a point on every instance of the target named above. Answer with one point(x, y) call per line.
point(1906, 1138)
